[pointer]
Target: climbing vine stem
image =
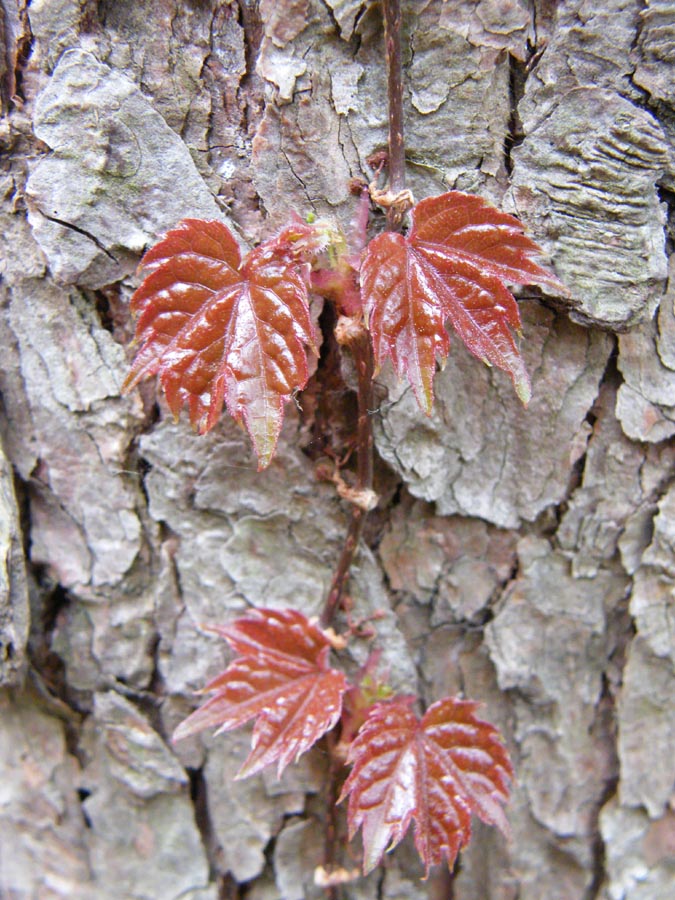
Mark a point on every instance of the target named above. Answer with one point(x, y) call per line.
point(396, 164)
point(356, 336)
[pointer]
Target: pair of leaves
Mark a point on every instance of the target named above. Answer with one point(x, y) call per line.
point(218, 329)
point(435, 771)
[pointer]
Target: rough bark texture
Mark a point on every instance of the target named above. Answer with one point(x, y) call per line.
point(527, 557)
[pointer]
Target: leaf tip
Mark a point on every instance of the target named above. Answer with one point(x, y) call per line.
point(181, 731)
point(265, 455)
point(247, 770)
point(552, 281)
point(524, 391)
point(424, 393)
point(128, 384)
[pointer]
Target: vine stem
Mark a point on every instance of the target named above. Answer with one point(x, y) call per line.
point(362, 354)
point(363, 359)
point(392, 43)
point(333, 892)
point(360, 345)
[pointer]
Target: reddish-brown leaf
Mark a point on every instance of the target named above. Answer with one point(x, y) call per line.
point(282, 679)
point(216, 329)
point(453, 265)
point(437, 771)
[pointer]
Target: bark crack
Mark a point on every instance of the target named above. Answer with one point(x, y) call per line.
point(515, 134)
point(199, 798)
point(296, 176)
point(82, 231)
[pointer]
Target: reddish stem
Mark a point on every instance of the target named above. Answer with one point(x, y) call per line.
point(362, 348)
point(392, 43)
point(363, 359)
point(333, 892)
point(362, 353)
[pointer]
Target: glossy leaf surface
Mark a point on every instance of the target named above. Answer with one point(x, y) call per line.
point(281, 678)
point(436, 771)
point(218, 330)
point(452, 266)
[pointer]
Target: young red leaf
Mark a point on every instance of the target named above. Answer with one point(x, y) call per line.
point(216, 329)
point(338, 278)
point(437, 771)
point(282, 679)
point(452, 265)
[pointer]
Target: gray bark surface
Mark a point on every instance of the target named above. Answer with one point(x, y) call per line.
point(525, 558)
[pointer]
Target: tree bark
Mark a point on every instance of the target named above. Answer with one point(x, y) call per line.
point(521, 557)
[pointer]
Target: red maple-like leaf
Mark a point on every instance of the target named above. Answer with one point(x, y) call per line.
point(282, 679)
point(216, 329)
point(453, 265)
point(437, 771)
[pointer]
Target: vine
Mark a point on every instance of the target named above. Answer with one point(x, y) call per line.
point(219, 329)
